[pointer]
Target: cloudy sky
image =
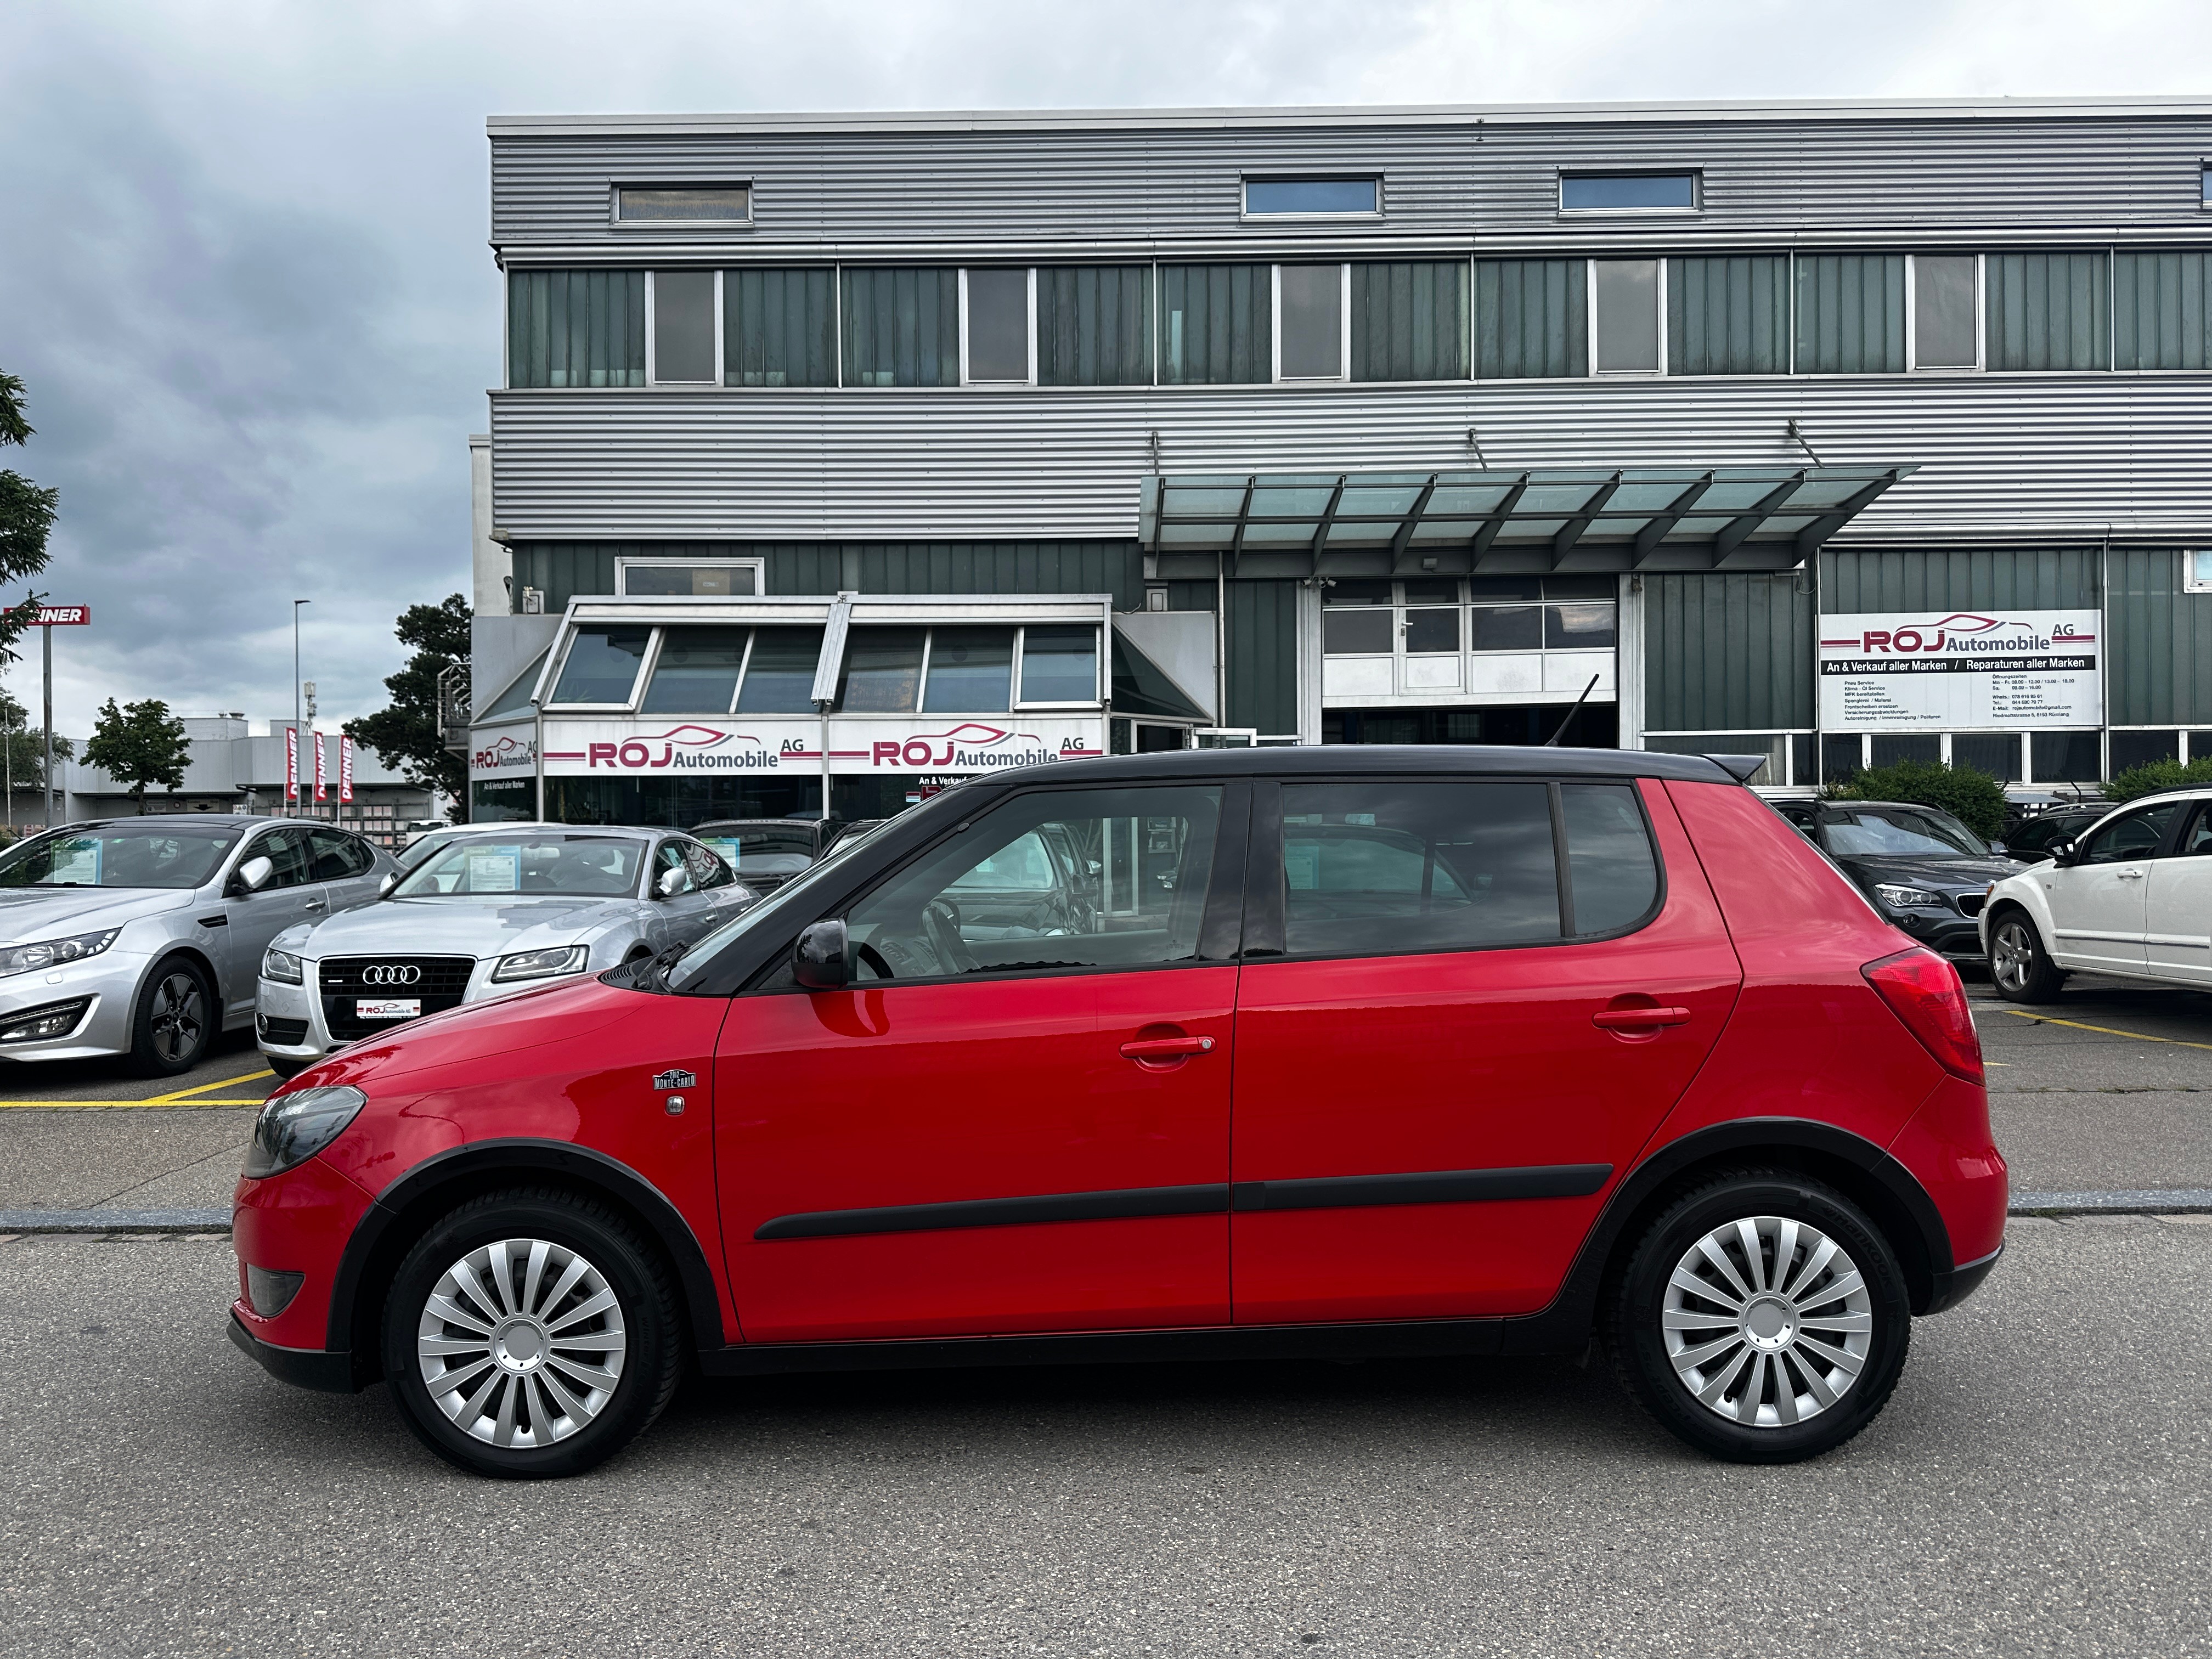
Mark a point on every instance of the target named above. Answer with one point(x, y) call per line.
point(242, 259)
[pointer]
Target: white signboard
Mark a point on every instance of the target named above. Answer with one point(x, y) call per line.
point(950, 743)
point(1937, 670)
point(502, 754)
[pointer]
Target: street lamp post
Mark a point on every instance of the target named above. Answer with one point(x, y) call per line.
point(292, 765)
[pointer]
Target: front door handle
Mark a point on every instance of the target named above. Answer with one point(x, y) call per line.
point(313, 904)
point(1635, 1019)
point(1166, 1047)
point(2129, 875)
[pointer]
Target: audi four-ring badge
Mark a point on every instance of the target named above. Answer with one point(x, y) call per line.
point(1267, 1053)
point(489, 912)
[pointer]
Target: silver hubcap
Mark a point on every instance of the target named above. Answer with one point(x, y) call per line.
point(178, 1021)
point(2011, 956)
point(521, 1343)
point(1767, 1321)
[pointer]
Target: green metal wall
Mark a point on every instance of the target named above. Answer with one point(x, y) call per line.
point(564, 569)
point(1728, 653)
point(2160, 643)
point(1969, 579)
point(1850, 313)
point(1262, 635)
point(1531, 318)
point(2047, 310)
point(1729, 315)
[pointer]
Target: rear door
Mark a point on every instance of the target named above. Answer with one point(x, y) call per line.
point(346, 866)
point(1488, 994)
point(2177, 931)
point(2098, 902)
point(290, 894)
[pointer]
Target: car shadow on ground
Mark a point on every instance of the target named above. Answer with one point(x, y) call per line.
point(110, 1076)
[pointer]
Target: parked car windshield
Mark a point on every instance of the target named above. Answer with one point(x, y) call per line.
point(157, 853)
point(537, 864)
point(761, 849)
point(1900, 831)
point(794, 893)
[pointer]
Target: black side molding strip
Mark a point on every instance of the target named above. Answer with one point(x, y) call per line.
point(1128, 1204)
point(1135, 1203)
point(1429, 1186)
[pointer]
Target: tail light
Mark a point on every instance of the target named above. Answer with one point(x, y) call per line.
point(1922, 990)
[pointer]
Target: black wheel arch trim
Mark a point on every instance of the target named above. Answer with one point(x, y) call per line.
point(379, 1239)
point(1907, 1216)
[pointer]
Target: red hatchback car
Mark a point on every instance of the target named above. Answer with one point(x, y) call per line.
point(1314, 1052)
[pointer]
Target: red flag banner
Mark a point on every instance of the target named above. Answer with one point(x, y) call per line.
point(345, 769)
point(322, 793)
point(291, 763)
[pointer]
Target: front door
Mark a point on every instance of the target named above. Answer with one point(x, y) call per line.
point(290, 894)
point(1466, 1040)
point(2178, 937)
point(2097, 902)
point(1017, 1118)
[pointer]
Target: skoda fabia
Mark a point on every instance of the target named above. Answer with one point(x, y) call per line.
point(1273, 1052)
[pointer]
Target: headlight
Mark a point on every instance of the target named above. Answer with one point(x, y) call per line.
point(292, 1128)
point(1910, 899)
point(48, 953)
point(283, 967)
point(542, 964)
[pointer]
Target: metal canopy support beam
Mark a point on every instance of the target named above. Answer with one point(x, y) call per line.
point(1244, 518)
point(1733, 532)
point(1655, 531)
point(1571, 531)
point(1503, 512)
point(1810, 537)
point(1404, 536)
point(1327, 518)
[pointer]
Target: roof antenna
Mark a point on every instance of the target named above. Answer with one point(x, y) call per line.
point(1552, 742)
point(1802, 445)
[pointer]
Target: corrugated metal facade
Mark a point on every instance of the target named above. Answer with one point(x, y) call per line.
point(1960, 578)
point(2161, 642)
point(1728, 653)
point(562, 570)
point(1263, 657)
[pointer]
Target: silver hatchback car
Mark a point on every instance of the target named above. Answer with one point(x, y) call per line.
point(141, 937)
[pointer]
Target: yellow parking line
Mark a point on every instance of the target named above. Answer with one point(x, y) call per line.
point(2102, 1030)
point(5, 1104)
point(201, 1089)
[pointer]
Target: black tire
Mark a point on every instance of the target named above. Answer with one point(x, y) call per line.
point(1801, 1332)
point(2019, 967)
point(286, 1069)
point(651, 1328)
point(176, 1019)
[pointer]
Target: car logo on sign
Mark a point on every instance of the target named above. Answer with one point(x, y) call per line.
point(392, 973)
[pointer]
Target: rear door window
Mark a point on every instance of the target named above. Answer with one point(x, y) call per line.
point(2135, 836)
point(339, 856)
point(1614, 872)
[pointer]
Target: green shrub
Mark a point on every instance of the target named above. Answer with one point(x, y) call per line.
point(1975, 799)
point(2152, 776)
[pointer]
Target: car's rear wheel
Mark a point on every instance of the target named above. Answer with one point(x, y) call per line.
point(2019, 967)
point(1763, 1318)
point(532, 1334)
point(176, 1020)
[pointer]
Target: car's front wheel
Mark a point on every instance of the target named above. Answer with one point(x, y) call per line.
point(1762, 1318)
point(2019, 967)
point(530, 1333)
point(176, 1020)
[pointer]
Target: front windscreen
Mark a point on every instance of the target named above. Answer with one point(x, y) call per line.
point(160, 853)
point(1900, 832)
point(762, 850)
point(529, 867)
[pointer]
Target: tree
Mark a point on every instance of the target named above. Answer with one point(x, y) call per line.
point(139, 744)
point(27, 517)
point(23, 745)
point(405, 735)
point(2154, 777)
point(1975, 799)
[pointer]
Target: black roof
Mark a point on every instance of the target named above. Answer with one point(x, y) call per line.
point(1342, 759)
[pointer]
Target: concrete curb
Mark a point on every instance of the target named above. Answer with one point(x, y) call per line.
point(115, 1221)
point(2155, 1201)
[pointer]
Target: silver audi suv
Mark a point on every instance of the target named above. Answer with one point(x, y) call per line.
point(140, 937)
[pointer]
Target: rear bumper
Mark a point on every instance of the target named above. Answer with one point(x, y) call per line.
point(303, 1368)
point(1954, 1286)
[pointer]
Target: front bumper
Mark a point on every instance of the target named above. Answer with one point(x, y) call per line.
point(301, 1005)
point(303, 1368)
point(110, 980)
point(1944, 932)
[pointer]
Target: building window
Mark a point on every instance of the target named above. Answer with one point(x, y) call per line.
point(1629, 192)
point(1944, 325)
point(1216, 324)
point(780, 328)
point(1060, 665)
point(602, 666)
point(1412, 633)
point(685, 351)
point(1531, 319)
point(901, 327)
point(1850, 313)
point(883, 671)
point(1894, 748)
point(779, 673)
point(2197, 571)
point(1626, 300)
point(2048, 311)
point(1094, 326)
point(2132, 749)
point(1409, 320)
point(2066, 756)
point(1311, 310)
point(1994, 754)
point(575, 328)
point(696, 670)
point(1312, 198)
point(1729, 315)
point(971, 671)
point(2205, 184)
point(998, 325)
point(683, 205)
point(699, 578)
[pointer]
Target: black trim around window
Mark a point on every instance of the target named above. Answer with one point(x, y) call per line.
point(1216, 1198)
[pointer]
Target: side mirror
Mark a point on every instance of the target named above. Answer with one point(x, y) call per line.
point(2061, 851)
point(2000, 850)
point(253, 875)
point(668, 883)
point(389, 880)
point(822, 960)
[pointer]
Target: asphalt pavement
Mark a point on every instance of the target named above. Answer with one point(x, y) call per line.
point(2040, 1484)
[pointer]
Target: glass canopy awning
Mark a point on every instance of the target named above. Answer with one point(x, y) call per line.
point(1381, 523)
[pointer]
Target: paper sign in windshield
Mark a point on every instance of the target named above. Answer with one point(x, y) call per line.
point(496, 870)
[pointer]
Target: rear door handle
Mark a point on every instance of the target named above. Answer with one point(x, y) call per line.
point(1632, 1019)
point(1166, 1047)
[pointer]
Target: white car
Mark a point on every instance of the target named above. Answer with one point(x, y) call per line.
point(2131, 896)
